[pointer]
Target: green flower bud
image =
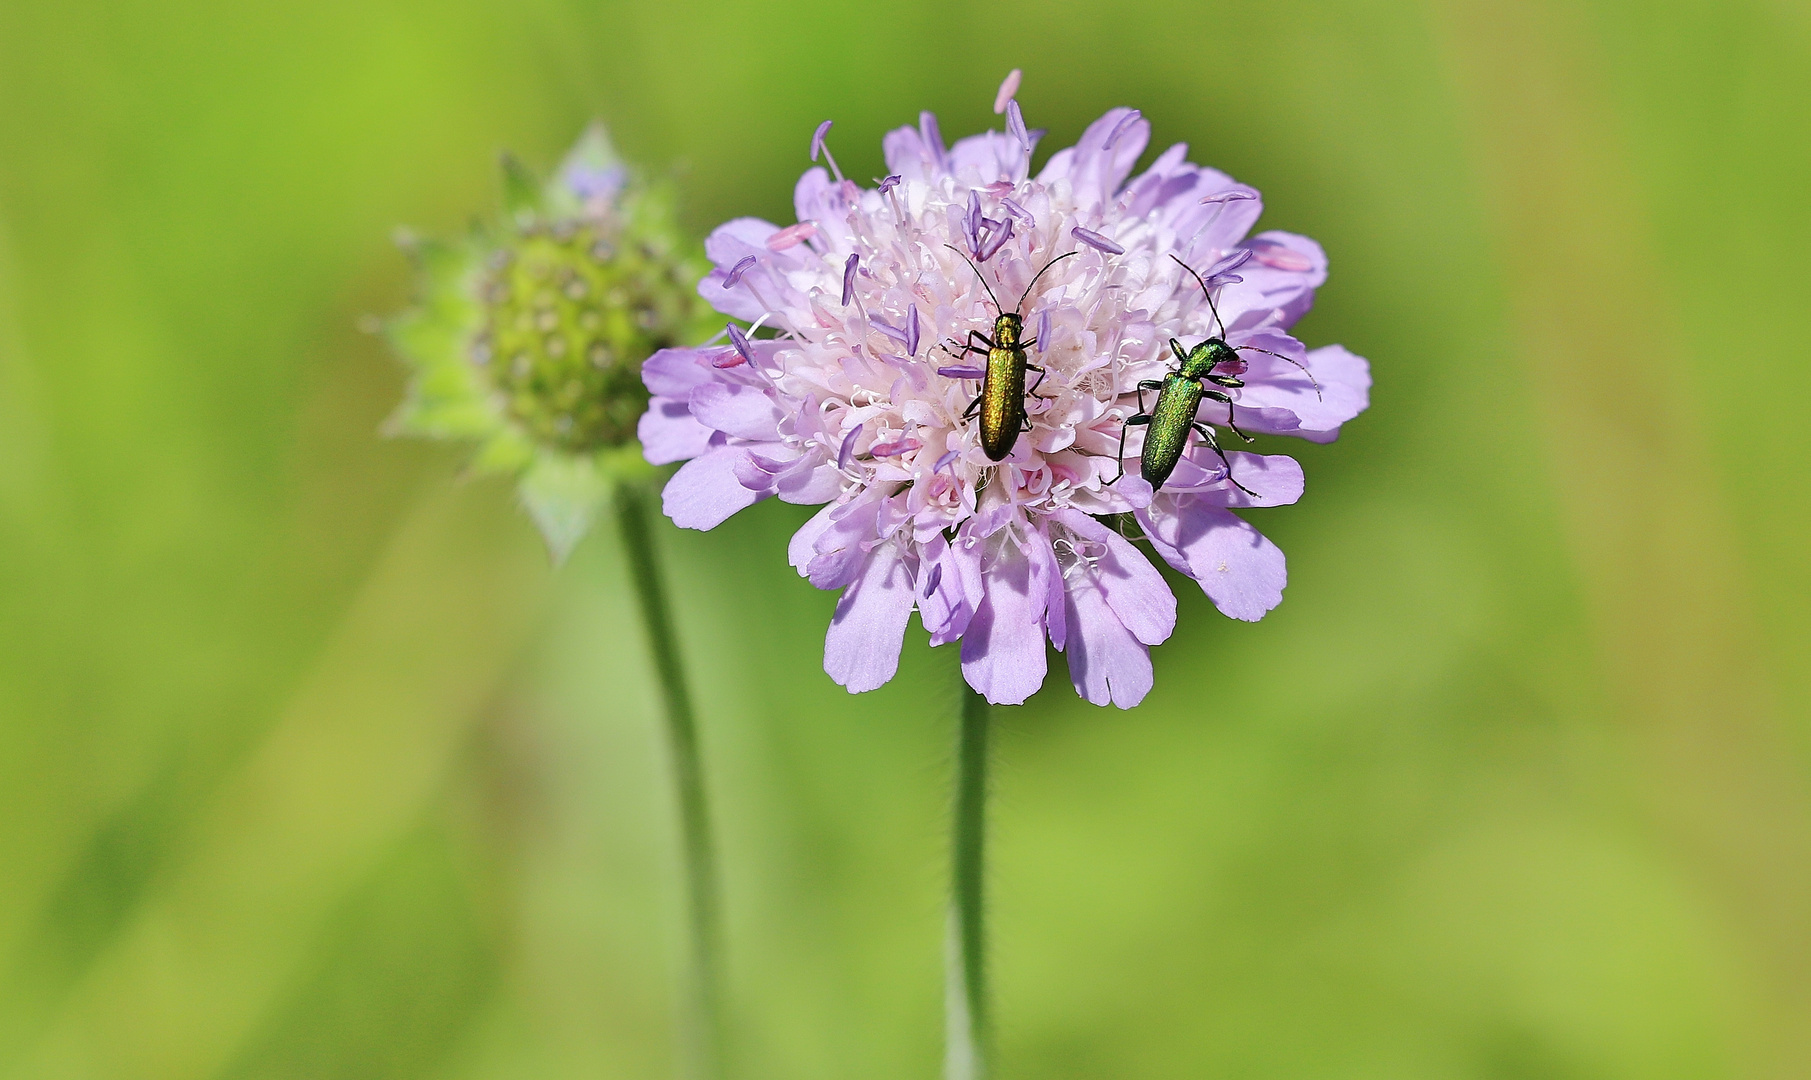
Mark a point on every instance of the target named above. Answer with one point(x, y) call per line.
point(529, 339)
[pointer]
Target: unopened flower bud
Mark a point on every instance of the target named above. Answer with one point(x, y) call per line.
point(529, 340)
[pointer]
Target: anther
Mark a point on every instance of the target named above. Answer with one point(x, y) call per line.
point(1097, 241)
point(743, 266)
point(1009, 88)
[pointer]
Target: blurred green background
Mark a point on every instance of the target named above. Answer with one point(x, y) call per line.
point(311, 768)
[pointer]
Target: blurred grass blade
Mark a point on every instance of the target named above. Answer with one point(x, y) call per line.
point(339, 780)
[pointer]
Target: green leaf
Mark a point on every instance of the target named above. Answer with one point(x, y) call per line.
point(594, 150)
point(563, 494)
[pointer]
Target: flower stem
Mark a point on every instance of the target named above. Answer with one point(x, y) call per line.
point(702, 1030)
point(965, 990)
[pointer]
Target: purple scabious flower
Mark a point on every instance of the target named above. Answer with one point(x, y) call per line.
point(858, 401)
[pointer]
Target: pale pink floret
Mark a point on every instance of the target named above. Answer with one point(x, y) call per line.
point(847, 406)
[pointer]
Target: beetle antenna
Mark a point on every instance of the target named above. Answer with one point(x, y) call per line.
point(1280, 356)
point(977, 270)
point(1036, 276)
point(1204, 292)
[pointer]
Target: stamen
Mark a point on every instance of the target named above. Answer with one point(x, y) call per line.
point(792, 236)
point(933, 138)
point(817, 144)
point(1221, 272)
point(1001, 232)
point(1019, 212)
point(740, 341)
point(1281, 258)
point(1231, 262)
point(1015, 125)
point(973, 222)
point(944, 461)
point(1009, 87)
point(842, 456)
point(849, 278)
point(1230, 195)
point(1043, 329)
point(962, 373)
point(1119, 129)
point(893, 332)
point(743, 266)
point(894, 449)
point(911, 330)
point(1094, 240)
point(728, 359)
point(935, 579)
point(889, 183)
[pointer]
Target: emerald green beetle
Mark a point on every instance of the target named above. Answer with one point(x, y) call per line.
point(1180, 393)
point(1001, 402)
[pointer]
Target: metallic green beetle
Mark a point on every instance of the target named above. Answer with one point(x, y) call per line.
point(1001, 402)
point(1179, 395)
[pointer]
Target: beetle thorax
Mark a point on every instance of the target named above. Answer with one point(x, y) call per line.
point(1007, 329)
point(1204, 357)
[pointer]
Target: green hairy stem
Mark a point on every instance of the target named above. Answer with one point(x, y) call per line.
point(702, 1025)
point(965, 994)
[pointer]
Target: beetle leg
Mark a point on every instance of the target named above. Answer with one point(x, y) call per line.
point(1138, 418)
point(1207, 436)
point(1041, 374)
point(1148, 384)
point(1215, 395)
point(969, 413)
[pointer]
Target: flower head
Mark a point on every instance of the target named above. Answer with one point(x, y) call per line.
point(528, 339)
point(861, 399)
